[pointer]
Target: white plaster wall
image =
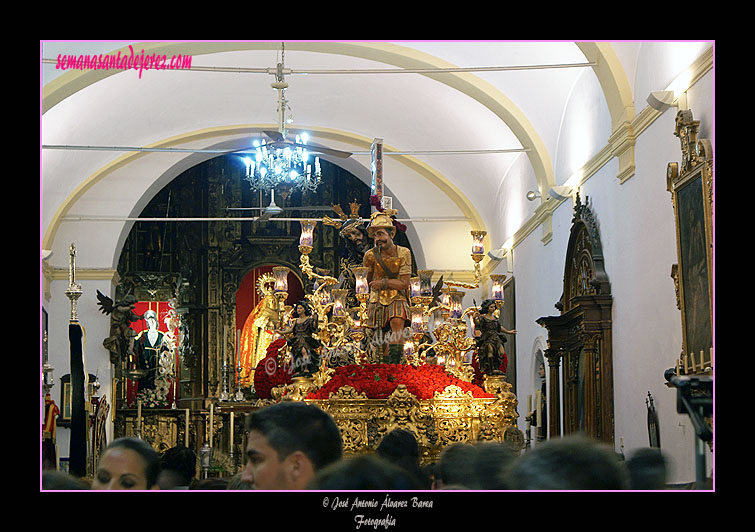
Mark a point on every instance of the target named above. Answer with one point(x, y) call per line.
point(637, 230)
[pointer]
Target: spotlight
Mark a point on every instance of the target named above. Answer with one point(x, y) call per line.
point(661, 100)
point(561, 192)
point(532, 195)
point(497, 254)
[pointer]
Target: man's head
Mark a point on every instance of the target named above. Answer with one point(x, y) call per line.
point(381, 230)
point(353, 231)
point(288, 443)
point(179, 466)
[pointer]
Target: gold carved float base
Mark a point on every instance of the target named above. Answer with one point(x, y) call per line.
point(450, 417)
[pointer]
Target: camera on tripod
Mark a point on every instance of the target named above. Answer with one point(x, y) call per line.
point(694, 397)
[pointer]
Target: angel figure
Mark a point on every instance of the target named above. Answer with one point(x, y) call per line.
point(120, 343)
point(304, 346)
point(489, 337)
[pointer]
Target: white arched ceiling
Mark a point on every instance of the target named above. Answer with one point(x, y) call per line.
point(447, 111)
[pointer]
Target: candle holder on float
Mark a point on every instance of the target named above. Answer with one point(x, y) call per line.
point(280, 290)
point(496, 290)
point(478, 253)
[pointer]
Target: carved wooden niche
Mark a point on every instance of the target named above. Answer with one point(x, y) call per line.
point(580, 338)
point(691, 186)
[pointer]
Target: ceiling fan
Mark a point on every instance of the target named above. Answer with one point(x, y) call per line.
point(274, 210)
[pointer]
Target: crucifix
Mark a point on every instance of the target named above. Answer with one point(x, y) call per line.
point(376, 152)
point(73, 292)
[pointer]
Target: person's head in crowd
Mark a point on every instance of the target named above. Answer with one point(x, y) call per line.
point(490, 461)
point(364, 472)
point(127, 464)
point(647, 469)
point(455, 467)
point(568, 463)
point(177, 468)
point(288, 443)
point(60, 480)
point(400, 447)
point(210, 484)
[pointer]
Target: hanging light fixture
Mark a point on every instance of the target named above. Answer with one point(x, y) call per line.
point(281, 162)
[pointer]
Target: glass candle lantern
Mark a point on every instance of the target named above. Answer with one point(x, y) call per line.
point(478, 248)
point(496, 290)
point(425, 282)
point(360, 276)
point(414, 286)
point(417, 319)
point(307, 230)
point(445, 296)
point(281, 279)
point(339, 301)
point(456, 306)
point(408, 348)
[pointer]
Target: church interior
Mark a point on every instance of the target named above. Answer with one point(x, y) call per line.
point(565, 187)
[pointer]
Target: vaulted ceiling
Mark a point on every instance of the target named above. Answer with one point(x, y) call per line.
point(464, 117)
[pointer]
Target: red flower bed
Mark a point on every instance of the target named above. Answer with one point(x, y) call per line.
point(378, 381)
point(268, 374)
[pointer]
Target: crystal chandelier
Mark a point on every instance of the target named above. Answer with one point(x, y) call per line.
point(275, 164)
point(282, 162)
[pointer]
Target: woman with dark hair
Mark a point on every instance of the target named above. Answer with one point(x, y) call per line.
point(490, 339)
point(127, 464)
point(303, 344)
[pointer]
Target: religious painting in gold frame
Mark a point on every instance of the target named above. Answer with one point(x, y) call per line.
point(691, 186)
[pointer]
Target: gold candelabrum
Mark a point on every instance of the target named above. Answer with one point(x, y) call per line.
point(438, 334)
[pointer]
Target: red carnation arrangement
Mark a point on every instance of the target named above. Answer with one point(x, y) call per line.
point(378, 381)
point(268, 374)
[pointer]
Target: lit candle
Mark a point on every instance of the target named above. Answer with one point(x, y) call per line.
point(186, 435)
point(225, 342)
point(445, 296)
point(212, 420)
point(281, 279)
point(457, 297)
point(496, 291)
point(425, 280)
point(408, 349)
point(360, 276)
point(478, 248)
point(238, 355)
point(417, 324)
point(231, 446)
point(307, 228)
point(339, 301)
point(414, 286)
